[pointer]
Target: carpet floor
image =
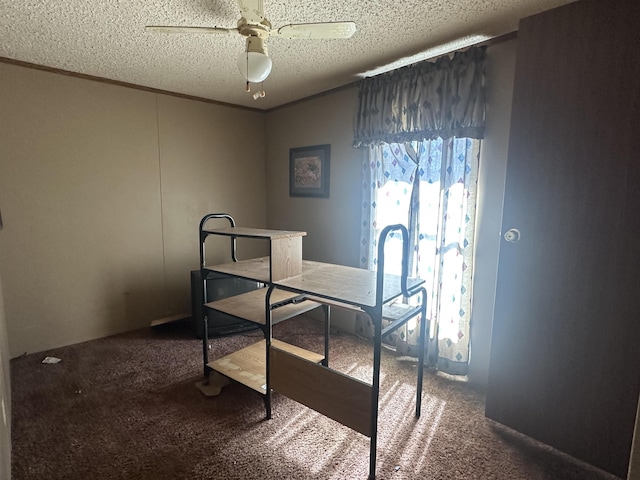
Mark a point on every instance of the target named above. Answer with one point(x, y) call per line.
point(126, 407)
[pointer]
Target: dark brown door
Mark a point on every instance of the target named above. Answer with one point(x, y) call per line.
point(565, 354)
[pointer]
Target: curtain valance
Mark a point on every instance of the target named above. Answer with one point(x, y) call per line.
point(423, 101)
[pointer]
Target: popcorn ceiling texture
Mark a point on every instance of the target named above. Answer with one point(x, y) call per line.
point(106, 38)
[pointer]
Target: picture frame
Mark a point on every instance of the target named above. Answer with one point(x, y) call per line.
point(309, 171)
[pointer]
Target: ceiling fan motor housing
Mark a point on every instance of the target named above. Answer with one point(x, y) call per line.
point(261, 29)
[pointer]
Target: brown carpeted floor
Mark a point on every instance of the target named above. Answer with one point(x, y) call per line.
point(125, 407)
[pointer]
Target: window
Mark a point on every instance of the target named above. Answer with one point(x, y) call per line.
point(430, 187)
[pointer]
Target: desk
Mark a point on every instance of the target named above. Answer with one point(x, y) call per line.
point(345, 399)
point(295, 286)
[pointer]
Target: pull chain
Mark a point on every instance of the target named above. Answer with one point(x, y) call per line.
point(246, 55)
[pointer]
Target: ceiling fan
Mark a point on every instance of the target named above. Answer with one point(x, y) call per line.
point(254, 62)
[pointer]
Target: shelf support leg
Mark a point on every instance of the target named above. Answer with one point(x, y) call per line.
point(421, 344)
point(268, 335)
point(376, 317)
point(205, 349)
point(327, 331)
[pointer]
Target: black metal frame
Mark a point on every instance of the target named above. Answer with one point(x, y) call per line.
point(269, 307)
point(375, 312)
point(202, 235)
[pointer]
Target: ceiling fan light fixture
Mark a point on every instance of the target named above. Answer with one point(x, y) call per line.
point(254, 63)
point(254, 66)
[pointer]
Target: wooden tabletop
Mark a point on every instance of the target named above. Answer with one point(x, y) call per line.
point(244, 232)
point(340, 283)
point(349, 285)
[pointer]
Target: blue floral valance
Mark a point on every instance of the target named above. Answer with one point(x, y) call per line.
point(426, 100)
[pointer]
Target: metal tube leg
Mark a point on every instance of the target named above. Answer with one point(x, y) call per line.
point(372, 457)
point(268, 405)
point(268, 334)
point(267, 395)
point(327, 331)
point(205, 350)
point(376, 317)
point(423, 334)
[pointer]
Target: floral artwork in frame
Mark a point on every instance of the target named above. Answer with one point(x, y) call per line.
point(309, 171)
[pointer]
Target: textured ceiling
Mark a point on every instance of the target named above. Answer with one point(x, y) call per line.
point(106, 38)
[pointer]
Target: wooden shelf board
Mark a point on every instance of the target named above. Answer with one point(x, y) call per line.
point(340, 283)
point(334, 303)
point(251, 306)
point(244, 232)
point(398, 310)
point(334, 394)
point(172, 318)
point(286, 257)
point(257, 269)
point(398, 314)
point(247, 366)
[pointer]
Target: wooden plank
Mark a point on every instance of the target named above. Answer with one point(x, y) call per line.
point(334, 303)
point(397, 310)
point(344, 399)
point(286, 257)
point(257, 269)
point(247, 366)
point(297, 351)
point(216, 383)
point(336, 282)
point(398, 314)
point(172, 318)
point(251, 306)
point(350, 285)
point(245, 232)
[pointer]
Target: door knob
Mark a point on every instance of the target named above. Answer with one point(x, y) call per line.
point(512, 235)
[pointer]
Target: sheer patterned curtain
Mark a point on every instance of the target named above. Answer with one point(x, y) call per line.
point(426, 179)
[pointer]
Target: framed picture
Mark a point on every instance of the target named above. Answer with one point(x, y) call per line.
point(309, 171)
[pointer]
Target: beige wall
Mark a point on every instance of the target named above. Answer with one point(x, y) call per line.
point(333, 224)
point(211, 160)
point(101, 190)
point(491, 181)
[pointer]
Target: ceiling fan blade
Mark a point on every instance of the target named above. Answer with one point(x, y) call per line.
point(168, 29)
point(252, 10)
point(316, 30)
